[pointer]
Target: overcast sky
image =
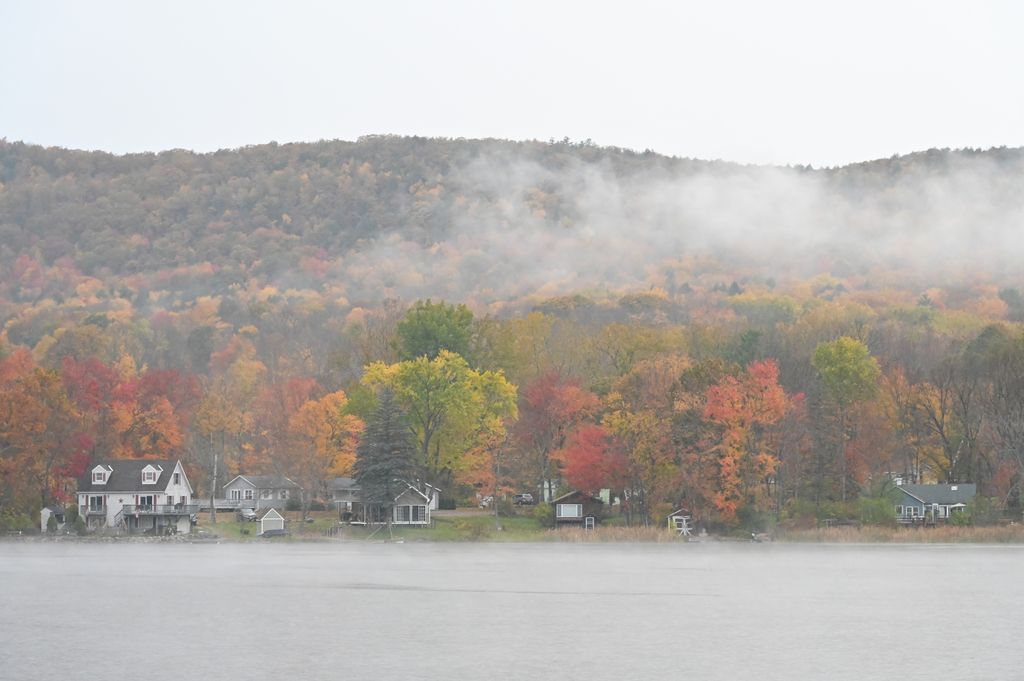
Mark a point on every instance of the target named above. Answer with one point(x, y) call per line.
point(767, 82)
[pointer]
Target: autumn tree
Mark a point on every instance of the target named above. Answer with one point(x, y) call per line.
point(550, 408)
point(850, 375)
point(449, 406)
point(745, 409)
point(640, 413)
point(428, 328)
point(325, 438)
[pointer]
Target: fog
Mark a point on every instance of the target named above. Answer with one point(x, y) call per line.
point(519, 226)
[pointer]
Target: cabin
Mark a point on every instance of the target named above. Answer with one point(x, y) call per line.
point(412, 506)
point(932, 503)
point(575, 507)
point(48, 512)
point(141, 496)
point(260, 491)
point(270, 520)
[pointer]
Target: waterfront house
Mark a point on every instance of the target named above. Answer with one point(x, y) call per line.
point(411, 506)
point(138, 495)
point(575, 508)
point(932, 503)
point(260, 491)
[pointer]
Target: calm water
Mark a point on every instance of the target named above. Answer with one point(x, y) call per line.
point(539, 611)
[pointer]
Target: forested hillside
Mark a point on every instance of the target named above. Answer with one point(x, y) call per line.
point(745, 340)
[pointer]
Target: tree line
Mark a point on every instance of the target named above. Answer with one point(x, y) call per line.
point(740, 421)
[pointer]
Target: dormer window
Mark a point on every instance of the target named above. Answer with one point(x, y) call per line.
point(99, 475)
point(149, 475)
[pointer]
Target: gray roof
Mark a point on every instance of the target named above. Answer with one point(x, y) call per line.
point(942, 494)
point(126, 475)
point(267, 481)
point(343, 483)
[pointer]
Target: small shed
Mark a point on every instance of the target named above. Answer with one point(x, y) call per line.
point(575, 507)
point(270, 521)
point(679, 521)
point(51, 511)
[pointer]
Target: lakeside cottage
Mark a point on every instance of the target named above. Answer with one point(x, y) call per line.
point(932, 503)
point(138, 495)
point(575, 508)
point(412, 506)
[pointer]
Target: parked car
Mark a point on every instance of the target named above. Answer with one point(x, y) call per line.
point(523, 499)
point(247, 514)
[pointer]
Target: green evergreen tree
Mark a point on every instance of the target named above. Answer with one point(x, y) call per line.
point(385, 458)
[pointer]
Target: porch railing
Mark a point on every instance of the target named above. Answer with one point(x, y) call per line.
point(159, 509)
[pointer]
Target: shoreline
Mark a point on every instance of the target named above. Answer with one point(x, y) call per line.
point(1006, 535)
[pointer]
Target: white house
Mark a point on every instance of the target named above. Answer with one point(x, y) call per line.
point(139, 495)
point(411, 507)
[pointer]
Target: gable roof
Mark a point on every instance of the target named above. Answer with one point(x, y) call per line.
point(126, 475)
point(267, 512)
point(581, 496)
point(410, 488)
point(266, 481)
point(942, 494)
point(338, 484)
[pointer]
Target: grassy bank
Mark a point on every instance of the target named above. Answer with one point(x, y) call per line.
point(471, 527)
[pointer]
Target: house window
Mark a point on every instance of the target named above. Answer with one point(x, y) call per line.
point(419, 514)
point(266, 494)
point(146, 501)
point(99, 476)
point(95, 503)
point(182, 500)
point(402, 514)
point(148, 476)
point(177, 478)
point(236, 494)
point(284, 494)
point(248, 494)
point(570, 510)
point(899, 511)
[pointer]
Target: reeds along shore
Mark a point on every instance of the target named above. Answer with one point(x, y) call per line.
point(946, 534)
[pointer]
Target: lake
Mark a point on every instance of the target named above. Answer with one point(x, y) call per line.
point(509, 611)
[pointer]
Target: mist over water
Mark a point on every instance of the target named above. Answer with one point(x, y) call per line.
point(453, 612)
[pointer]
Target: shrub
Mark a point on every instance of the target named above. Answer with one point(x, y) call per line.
point(293, 505)
point(544, 516)
point(79, 526)
point(960, 519)
point(446, 504)
point(12, 520)
point(983, 511)
point(317, 505)
point(876, 511)
point(51, 524)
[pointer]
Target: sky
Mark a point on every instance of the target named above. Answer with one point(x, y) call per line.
point(755, 82)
